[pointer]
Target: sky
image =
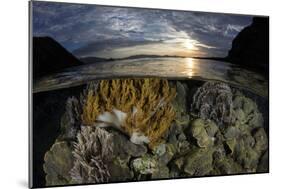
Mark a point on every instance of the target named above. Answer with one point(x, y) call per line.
point(116, 32)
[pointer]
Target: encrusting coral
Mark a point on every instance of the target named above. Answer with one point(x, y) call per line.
point(141, 108)
point(58, 162)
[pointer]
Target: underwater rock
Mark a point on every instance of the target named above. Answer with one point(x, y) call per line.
point(94, 147)
point(71, 119)
point(244, 153)
point(58, 162)
point(211, 128)
point(177, 139)
point(256, 120)
point(150, 165)
point(231, 144)
point(181, 137)
point(264, 163)
point(246, 111)
point(161, 172)
point(168, 155)
point(174, 131)
point(246, 146)
point(183, 120)
point(179, 162)
point(182, 147)
point(177, 130)
point(164, 152)
point(261, 140)
point(160, 150)
point(231, 132)
point(145, 165)
point(119, 170)
point(199, 162)
point(179, 102)
point(249, 159)
point(124, 147)
point(174, 172)
point(219, 152)
point(213, 101)
point(135, 150)
point(199, 132)
point(227, 165)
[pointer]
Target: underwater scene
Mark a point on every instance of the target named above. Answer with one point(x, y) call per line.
point(129, 94)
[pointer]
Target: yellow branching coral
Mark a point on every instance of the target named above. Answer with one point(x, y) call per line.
point(136, 106)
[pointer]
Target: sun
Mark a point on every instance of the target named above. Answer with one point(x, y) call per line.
point(189, 45)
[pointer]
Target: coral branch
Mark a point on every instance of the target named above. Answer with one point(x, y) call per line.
point(91, 151)
point(132, 105)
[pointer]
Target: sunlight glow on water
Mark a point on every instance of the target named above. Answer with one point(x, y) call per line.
point(189, 67)
point(171, 68)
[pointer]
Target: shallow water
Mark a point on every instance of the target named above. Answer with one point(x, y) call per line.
point(171, 68)
point(188, 75)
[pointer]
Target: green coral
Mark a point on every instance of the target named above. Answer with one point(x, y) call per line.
point(246, 112)
point(145, 165)
point(227, 165)
point(203, 131)
point(58, 163)
point(199, 162)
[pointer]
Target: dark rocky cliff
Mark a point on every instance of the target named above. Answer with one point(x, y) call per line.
point(250, 47)
point(50, 57)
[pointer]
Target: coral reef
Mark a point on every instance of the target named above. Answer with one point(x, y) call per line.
point(141, 129)
point(145, 165)
point(140, 108)
point(214, 101)
point(203, 132)
point(199, 162)
point(246, 111)
point(58, 163)
point(91, 151)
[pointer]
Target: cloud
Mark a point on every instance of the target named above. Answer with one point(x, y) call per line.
point(92, 49)
point(90, 29)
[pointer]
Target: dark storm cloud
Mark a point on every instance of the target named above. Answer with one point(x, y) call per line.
point(108, 45)
point(87, 30)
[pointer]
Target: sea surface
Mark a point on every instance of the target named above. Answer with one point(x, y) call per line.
point(170, 68)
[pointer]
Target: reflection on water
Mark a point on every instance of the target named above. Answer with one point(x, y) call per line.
point(172, 68)
point(189, 67)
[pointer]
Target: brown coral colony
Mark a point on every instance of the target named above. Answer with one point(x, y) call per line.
point(137, 107)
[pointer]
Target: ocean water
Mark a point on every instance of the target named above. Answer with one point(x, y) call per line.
point(50, 95)
point(171, 68)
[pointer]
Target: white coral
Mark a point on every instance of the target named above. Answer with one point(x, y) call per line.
point(139, 138)
point(91, 152)
point(116, 119)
